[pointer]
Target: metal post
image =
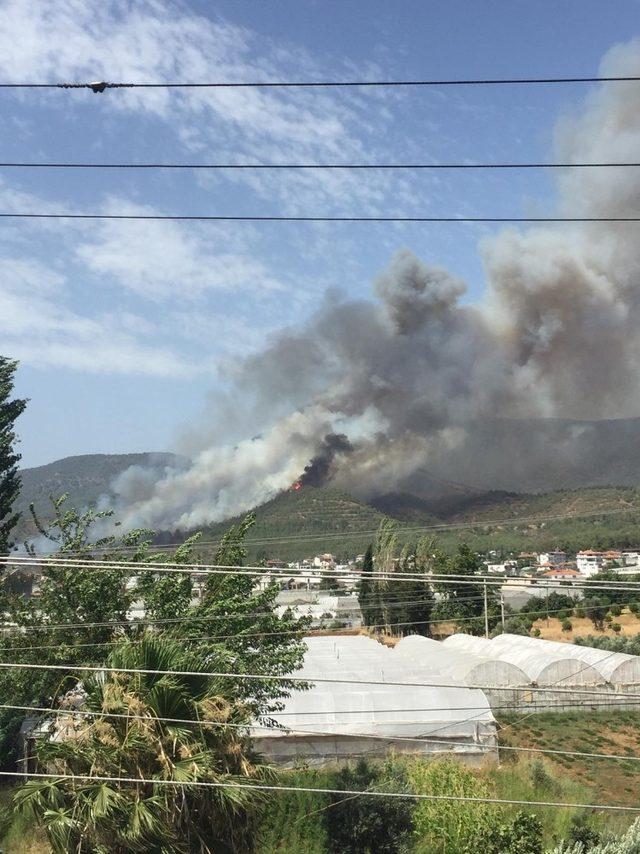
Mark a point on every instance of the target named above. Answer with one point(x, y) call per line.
point(502, 608)
point(486, 612)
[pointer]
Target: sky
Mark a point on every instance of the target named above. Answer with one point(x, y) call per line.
point(127, 332)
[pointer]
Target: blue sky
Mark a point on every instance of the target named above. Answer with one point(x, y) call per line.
point(125, 331)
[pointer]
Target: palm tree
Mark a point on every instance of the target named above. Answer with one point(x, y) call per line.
point(100, 817)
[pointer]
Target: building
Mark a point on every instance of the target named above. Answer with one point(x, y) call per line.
point(589, 562)
point(365, 712)
point(554, 558)
point(561, 573)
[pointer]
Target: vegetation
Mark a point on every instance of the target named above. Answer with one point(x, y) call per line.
point(399, 611)
point(70, 616)
point(367, 825)
point(10, 409)
point(95, 816)
point(316, 515)
point(460, 601)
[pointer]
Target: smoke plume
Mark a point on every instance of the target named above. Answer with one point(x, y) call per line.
point(377, 396)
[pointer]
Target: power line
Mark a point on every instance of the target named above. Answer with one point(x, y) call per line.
point(260, 677)
point(240, 635)
point(274, 218)
point(295, 730)
point(343, 166)
point(288, 572)
point(101, 86)
point(321, 791)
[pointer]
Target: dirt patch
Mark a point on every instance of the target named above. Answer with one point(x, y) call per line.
point(551, 629)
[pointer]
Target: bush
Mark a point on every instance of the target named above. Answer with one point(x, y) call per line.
point(521, 836)
point(360, 825)
point(536, 633)
point(634, 607)
point(567, 626)
point(616, 610)
point(608, 618)
point(616, 627)
point(581, 832)
point(579, 611)
point(450, 827)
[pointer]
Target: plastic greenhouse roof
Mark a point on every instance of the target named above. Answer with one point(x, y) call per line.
point(462, 664)
point(378, 709)
point(605, 662)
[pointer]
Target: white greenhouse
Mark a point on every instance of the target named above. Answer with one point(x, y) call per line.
point(617, 668)
point(460, 665)
point(543, 668)
point(366, 712)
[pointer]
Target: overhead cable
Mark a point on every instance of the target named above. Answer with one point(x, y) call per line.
point(295, 730)
point(100, 86)
point(159, 781)
point(344, 166)
point(260, 677)
point(285, 218)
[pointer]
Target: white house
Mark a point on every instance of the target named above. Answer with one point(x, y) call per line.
point(589, 562)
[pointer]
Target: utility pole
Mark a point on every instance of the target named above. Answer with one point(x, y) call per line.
point(486, 612)
point(502, 608)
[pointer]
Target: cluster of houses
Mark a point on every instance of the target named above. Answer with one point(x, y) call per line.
point(557, 565)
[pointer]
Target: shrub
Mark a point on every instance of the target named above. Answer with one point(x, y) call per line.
point(579, 611)
point(616, 610)
point(616, 627)
point(608, 618)
point(567, 626)
point(521, 836)
point(450, 827)
point(536, 633)
point(634, 607)
point(360, 825)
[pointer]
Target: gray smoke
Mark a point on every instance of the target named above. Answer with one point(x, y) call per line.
point(418, 384)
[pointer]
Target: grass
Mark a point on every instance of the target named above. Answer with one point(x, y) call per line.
point(612, 781)
point(17, 834)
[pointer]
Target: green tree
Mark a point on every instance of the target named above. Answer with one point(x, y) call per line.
point(367, 825)
point(368, 594)
point(10, 410)
point(73, 620)
point(87, 816)
point(413, 614)
point(596, 610)
point(462, 599)
point(384, 589)
point(522, 835)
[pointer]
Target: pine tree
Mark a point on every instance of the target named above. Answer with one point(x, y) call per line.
point(9, 477)
point(368, 598)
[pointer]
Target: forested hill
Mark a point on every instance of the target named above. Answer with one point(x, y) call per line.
point(314, 520)
point(309, 521)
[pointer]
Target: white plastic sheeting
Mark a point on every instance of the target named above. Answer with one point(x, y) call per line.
point(542, 667)
point(334, 720)
point(461, 665)
point(618, 668)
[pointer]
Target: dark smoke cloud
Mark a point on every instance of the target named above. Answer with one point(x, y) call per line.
point(419, 385)
point(319, 470)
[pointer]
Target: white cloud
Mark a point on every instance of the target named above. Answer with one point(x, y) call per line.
point(155, 41)
point(40, 330)
point(161, 260)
